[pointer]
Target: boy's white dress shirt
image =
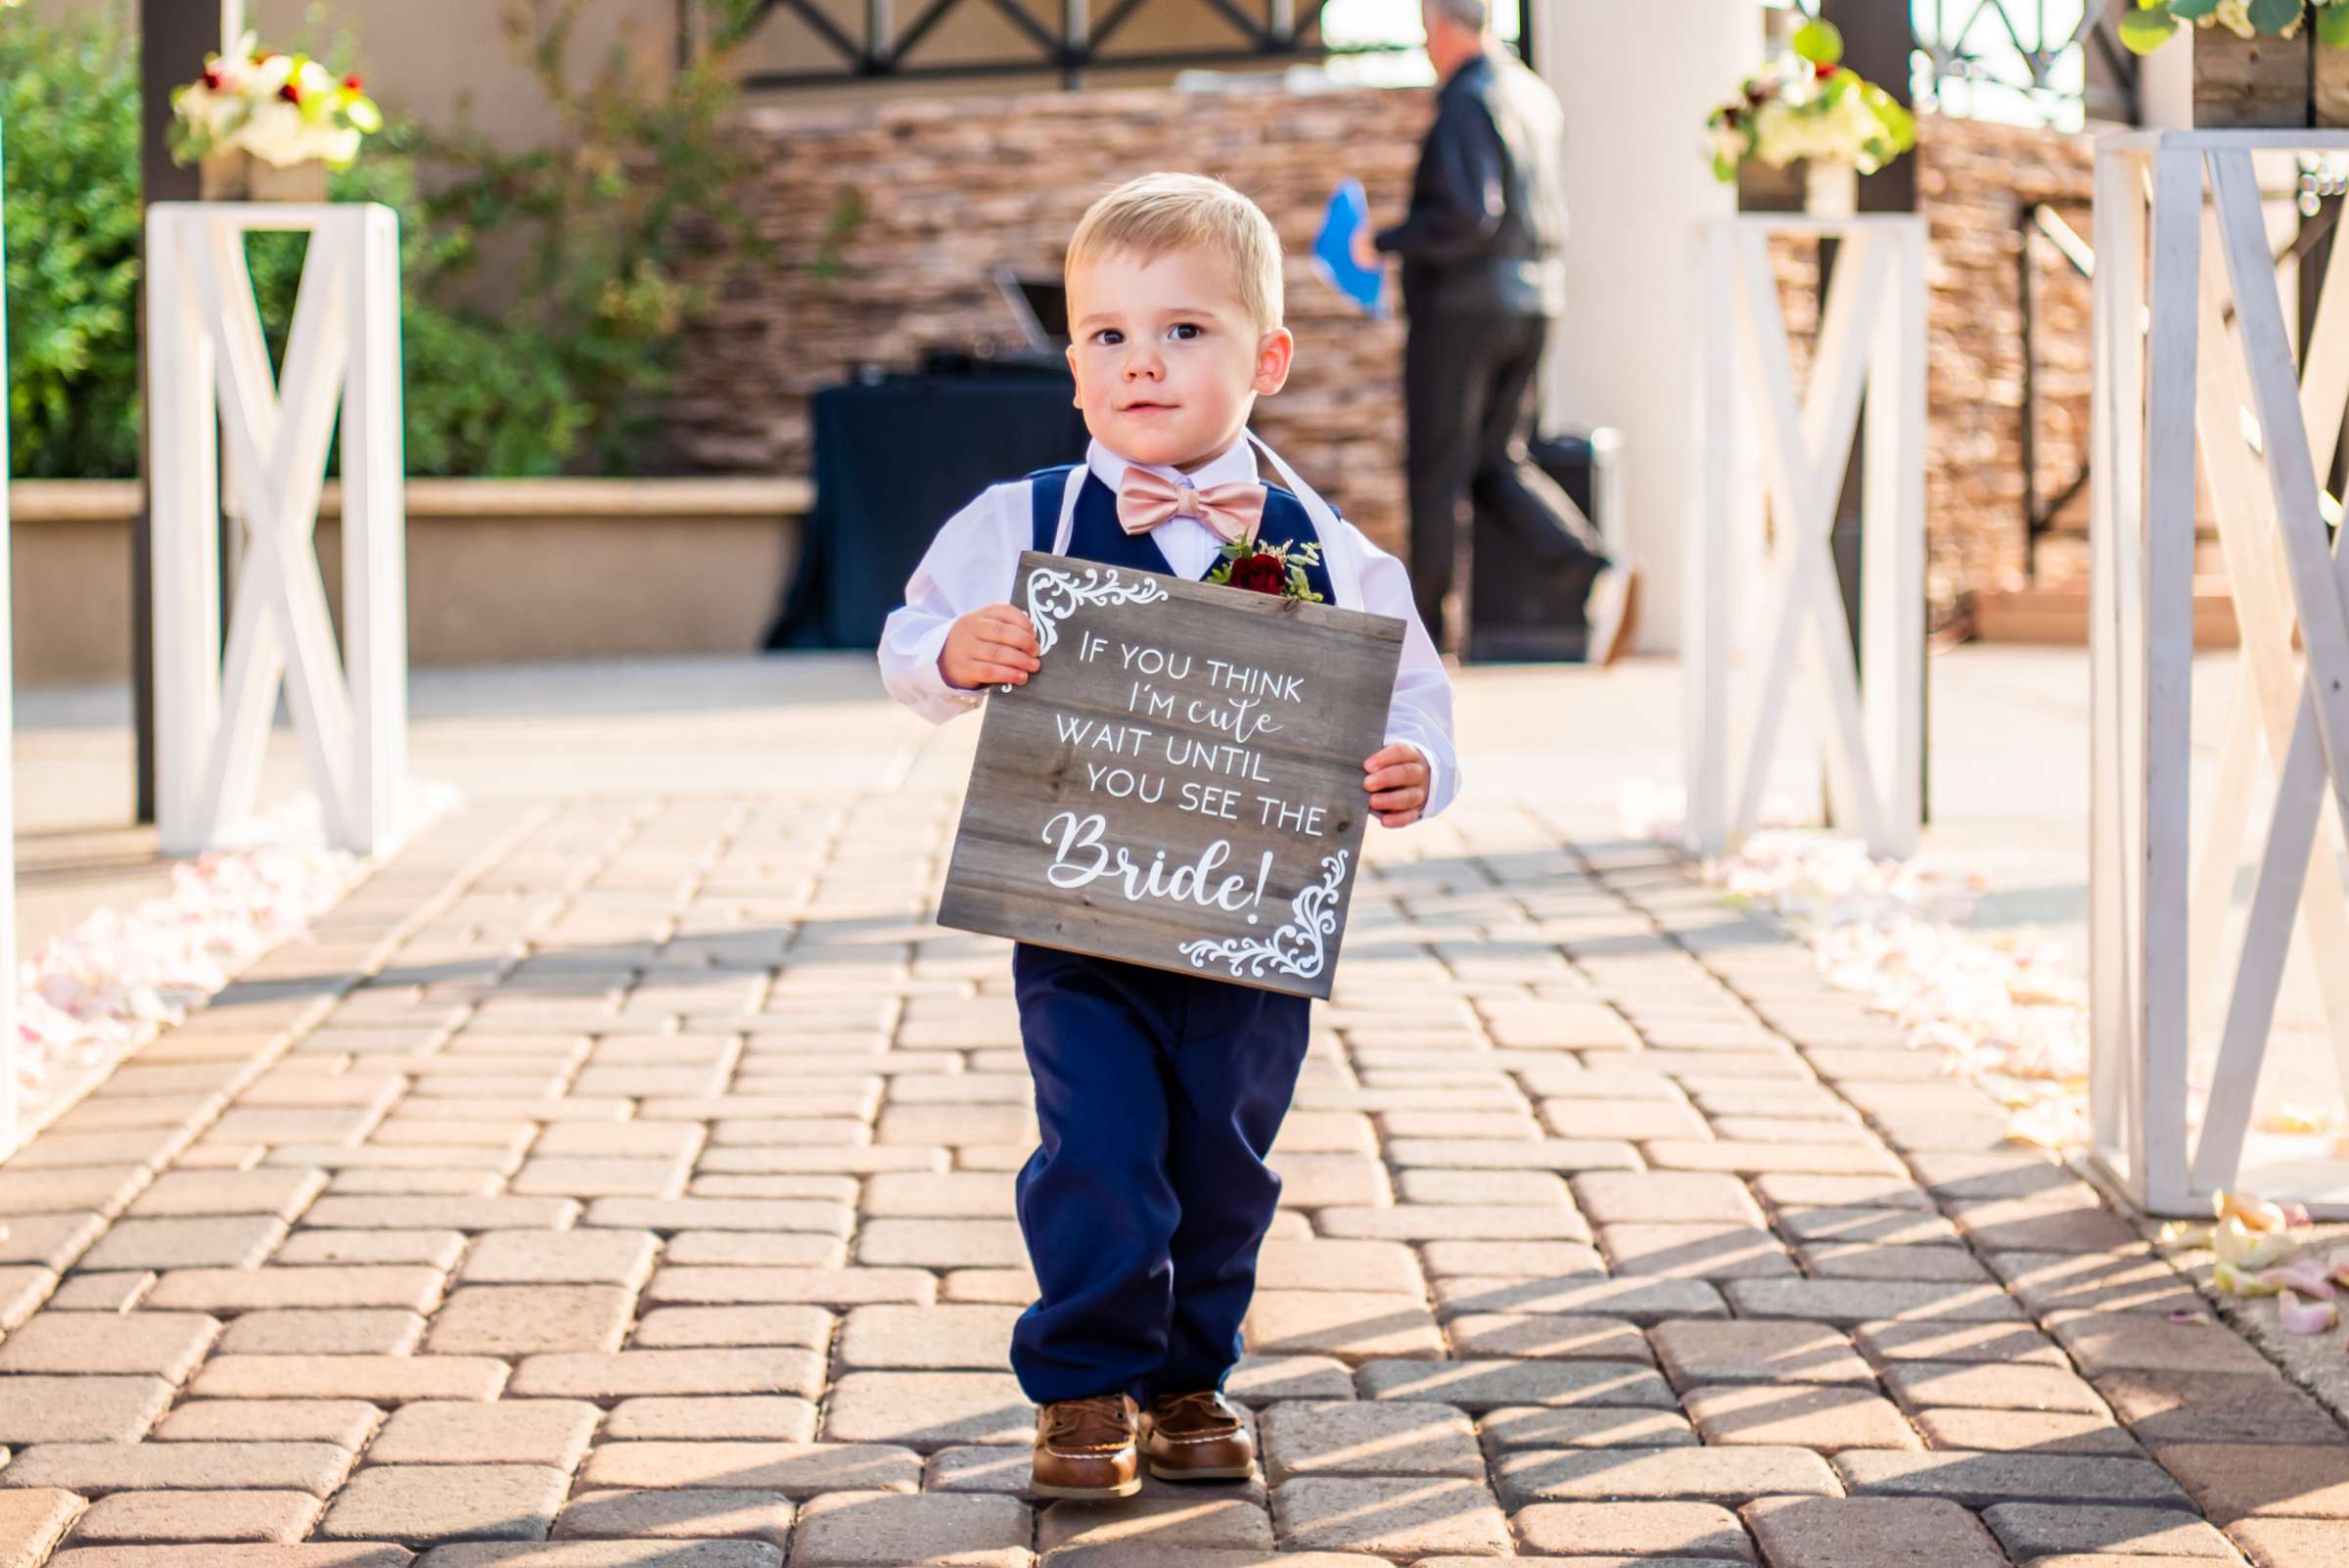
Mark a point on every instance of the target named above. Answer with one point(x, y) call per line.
point(970, 564)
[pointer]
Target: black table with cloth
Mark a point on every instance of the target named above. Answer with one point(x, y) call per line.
point(894, 458)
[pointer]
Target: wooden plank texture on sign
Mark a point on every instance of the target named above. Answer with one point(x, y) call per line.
point(1181, 784)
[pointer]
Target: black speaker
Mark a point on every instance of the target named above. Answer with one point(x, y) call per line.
point(1523, 610)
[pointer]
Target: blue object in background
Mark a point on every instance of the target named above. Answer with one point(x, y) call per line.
point(1333, 250)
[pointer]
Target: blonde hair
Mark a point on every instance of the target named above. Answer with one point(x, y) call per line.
point(1153, 215)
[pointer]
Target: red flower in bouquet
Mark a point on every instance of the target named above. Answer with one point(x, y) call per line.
point(1274, 568)
point(237, 105)
point(1260, 573)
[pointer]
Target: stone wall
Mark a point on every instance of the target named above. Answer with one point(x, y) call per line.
point(1974, 181)
point(887, 217)
point(886, 220)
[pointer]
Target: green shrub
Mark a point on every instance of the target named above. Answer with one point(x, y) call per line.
point(614, 217)
point(482, 396)
point(69, 113)
point(567, 378)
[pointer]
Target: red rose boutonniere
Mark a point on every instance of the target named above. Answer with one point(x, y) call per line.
point(1274, 568)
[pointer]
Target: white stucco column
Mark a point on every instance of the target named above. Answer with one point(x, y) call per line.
point(1638, 82)
point(2165, 83)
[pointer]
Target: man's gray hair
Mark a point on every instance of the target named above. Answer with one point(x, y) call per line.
point(1476, 14)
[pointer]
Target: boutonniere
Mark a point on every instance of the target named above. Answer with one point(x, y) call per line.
point(1274, 568)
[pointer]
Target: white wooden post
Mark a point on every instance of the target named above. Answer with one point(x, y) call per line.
point(210, 365)
point(1871, 338)
point(1707, 637)
point(9, 1036)
point(2196, 376)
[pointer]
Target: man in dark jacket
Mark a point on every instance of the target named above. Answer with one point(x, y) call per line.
point(1482, 278)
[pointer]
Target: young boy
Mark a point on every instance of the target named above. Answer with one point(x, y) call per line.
point(1156, 1094)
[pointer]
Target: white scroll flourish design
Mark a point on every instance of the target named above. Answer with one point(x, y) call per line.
point(1296, 949)
point(1053, 595)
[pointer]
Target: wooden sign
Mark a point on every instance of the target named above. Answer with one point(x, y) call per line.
point(1181, 784)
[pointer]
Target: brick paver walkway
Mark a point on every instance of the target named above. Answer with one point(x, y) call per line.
point(637, 1174)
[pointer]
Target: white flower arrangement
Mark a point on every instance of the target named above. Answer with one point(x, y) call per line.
point(1809, 108)
point(284, 110)
point(2154, 23)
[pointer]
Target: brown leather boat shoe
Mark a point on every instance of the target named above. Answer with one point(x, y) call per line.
point(1085, 1448)
point(1197, 1437)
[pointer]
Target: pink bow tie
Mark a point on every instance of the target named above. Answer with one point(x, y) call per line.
point(1231, 511)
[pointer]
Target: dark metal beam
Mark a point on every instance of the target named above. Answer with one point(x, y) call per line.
point(2109, 74)
point(1017, 14)
point(826, 29)
point(1076, 39)
point(1160, 61)
point(2026, 282)
point(932, 15)
point(174, 36)
point(1880, 42)
point(1119, 14)
point(1071, 51)
point(1974, 51)
point(1247, 26)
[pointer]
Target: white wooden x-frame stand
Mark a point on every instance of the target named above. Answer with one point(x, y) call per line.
point(2194, 359)
point(208, 361)
point(1871, 340)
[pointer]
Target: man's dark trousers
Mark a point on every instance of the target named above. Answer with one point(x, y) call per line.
point(1469, 388)
point(1157, 1098)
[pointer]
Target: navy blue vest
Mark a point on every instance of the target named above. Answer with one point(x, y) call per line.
point(1095, 533)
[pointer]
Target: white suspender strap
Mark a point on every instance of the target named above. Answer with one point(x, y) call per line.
point(1345, 573)
point(1068, 509)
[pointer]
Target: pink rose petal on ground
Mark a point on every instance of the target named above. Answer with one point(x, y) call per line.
point(2003, 1011)
point(2299, 1315)
point(108, 986)
point(2307, 1276)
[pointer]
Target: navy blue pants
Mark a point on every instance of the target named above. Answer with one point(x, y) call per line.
point(1156, 1096)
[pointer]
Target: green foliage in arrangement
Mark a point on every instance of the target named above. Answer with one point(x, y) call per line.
point(544, 292)
point(2152, 23)
point(1809, 108)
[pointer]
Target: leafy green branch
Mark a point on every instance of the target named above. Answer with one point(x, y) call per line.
point(2155, 22)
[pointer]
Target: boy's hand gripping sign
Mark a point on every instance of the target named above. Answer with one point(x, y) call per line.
point(1181, 784)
